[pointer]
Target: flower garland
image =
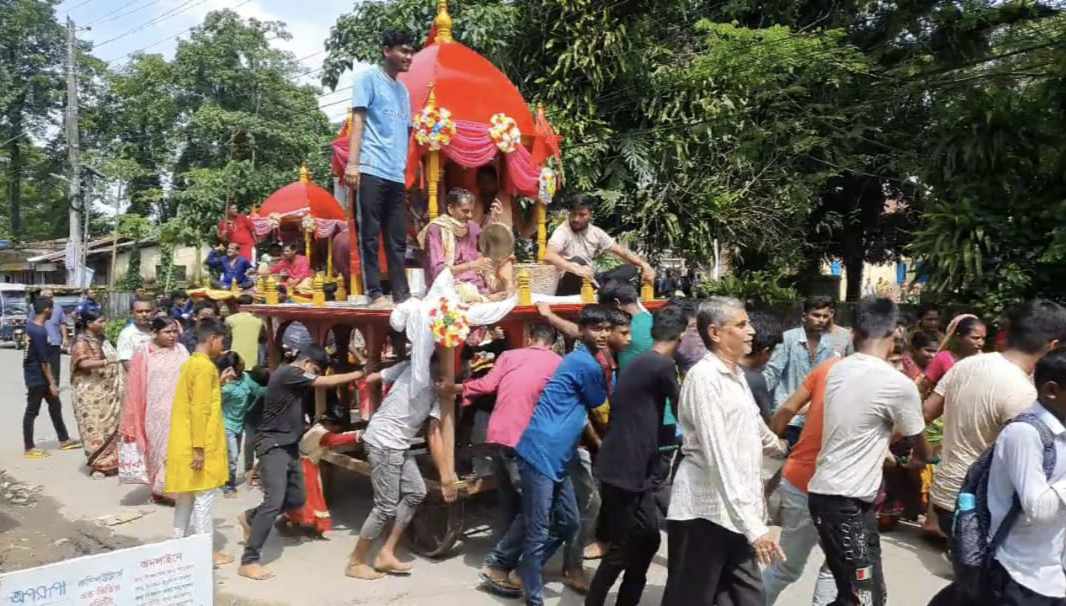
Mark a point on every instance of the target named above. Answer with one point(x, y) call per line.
point(275, 221)
point(549, 184)
point(434, 128)
point(449, 323)
point(504, 131)
point(308, 223)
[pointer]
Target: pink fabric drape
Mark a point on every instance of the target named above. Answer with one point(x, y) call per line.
point(472, 146)
point(324, 228)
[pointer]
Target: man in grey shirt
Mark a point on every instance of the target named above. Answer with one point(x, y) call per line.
point(866, 400)
point(394, 474)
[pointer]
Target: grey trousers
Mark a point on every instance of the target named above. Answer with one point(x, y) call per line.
point(398, 489)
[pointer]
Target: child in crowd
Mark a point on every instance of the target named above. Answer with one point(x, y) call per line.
point(239, 394)
point(196, 451)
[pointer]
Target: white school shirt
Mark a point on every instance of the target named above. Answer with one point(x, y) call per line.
point(1033, 551)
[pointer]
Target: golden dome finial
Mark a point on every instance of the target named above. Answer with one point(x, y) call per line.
point(443, 22)
point(305, 174)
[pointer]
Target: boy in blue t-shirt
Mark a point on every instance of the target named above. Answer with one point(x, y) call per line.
point(549, 507)
point(377, 163)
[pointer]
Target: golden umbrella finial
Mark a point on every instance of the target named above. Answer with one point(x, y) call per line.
point(443, 22)
point(305, 174)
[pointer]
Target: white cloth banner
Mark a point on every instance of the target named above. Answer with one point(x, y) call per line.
point(171, 572)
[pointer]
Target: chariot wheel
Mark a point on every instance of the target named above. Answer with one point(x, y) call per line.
point(436, 528)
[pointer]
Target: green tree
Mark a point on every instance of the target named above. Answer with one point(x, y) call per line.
point(31, 88)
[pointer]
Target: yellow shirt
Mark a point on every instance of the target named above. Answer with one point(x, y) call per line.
point(245, 330)
point(196, 422)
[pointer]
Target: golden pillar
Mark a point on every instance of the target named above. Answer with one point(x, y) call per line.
point(540, 210)
point(271, 290)
point(329, 260)
point(588, 293)
point(525, 292)
point(318, 291)
point(647, 292)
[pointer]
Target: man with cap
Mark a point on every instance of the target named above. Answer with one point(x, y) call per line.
point(277, 446)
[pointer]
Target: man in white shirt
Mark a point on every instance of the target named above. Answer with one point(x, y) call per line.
point(866, 401)
point(1028, 565)
point(576, 244)
point(716, 523)
point(136, 333)
point(982, 393)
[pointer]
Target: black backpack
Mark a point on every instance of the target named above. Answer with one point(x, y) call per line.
point(972, 549)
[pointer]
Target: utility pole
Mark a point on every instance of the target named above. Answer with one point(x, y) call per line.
point(74, 233)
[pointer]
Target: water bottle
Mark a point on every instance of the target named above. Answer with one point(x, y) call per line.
point(967, 501)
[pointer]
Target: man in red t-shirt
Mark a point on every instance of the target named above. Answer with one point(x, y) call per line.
point(237, 228)
point(798, 534)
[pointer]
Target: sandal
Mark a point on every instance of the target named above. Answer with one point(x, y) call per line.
point(70, 445)
point(36, 453)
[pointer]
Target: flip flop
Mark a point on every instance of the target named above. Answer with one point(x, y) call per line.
point(36, 453)
point(70, 445)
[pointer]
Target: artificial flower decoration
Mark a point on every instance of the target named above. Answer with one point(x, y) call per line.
point(549, 184)
point(449, 323)
point(434, 128)
point(505, 133)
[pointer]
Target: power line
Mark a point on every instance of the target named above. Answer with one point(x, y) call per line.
point(78, 5)
point(167, 39)
point(172, 13)
point(113, 14)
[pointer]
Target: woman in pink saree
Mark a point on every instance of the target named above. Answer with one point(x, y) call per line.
point(150, 387)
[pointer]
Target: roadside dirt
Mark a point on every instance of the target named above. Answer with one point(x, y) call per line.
point(32, 532)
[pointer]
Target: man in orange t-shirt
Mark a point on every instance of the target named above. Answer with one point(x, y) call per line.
point(798, 534)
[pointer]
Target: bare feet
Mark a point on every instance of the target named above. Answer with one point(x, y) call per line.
point(246, 528)
point(595, 550)
point(362, 571)
point(255, 571)
point(221, 559)
point(390, 565)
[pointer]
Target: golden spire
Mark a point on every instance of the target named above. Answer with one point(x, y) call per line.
point(443, 22)
point(305, 174)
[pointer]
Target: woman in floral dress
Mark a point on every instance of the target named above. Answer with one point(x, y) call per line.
point(96, 383)
point(150, 387)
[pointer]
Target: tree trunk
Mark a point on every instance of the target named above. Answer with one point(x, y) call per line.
point(854, 254)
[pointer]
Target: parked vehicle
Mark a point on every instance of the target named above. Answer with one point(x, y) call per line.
point(13, 313)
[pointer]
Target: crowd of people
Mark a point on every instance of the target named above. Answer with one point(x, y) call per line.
point(636, 430)
point(605, 431)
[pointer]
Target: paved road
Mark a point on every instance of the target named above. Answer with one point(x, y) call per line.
point(312, 571)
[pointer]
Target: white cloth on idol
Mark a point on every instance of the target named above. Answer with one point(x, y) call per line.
point(412, 318)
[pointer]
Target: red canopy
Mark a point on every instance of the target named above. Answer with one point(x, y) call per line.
point(302, 198)
point(466, 83)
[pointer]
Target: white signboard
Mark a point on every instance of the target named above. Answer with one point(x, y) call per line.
point(171, 573)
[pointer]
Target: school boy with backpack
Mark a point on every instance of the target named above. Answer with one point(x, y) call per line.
point(1010, 524)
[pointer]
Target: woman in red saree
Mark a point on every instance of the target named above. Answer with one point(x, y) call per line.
point(322, 436)
point(150, 387)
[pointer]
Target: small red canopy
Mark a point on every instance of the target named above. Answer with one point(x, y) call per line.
point(302, 198)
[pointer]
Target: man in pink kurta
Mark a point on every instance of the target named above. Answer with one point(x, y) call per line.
point(296, 268)
point(517, 379)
